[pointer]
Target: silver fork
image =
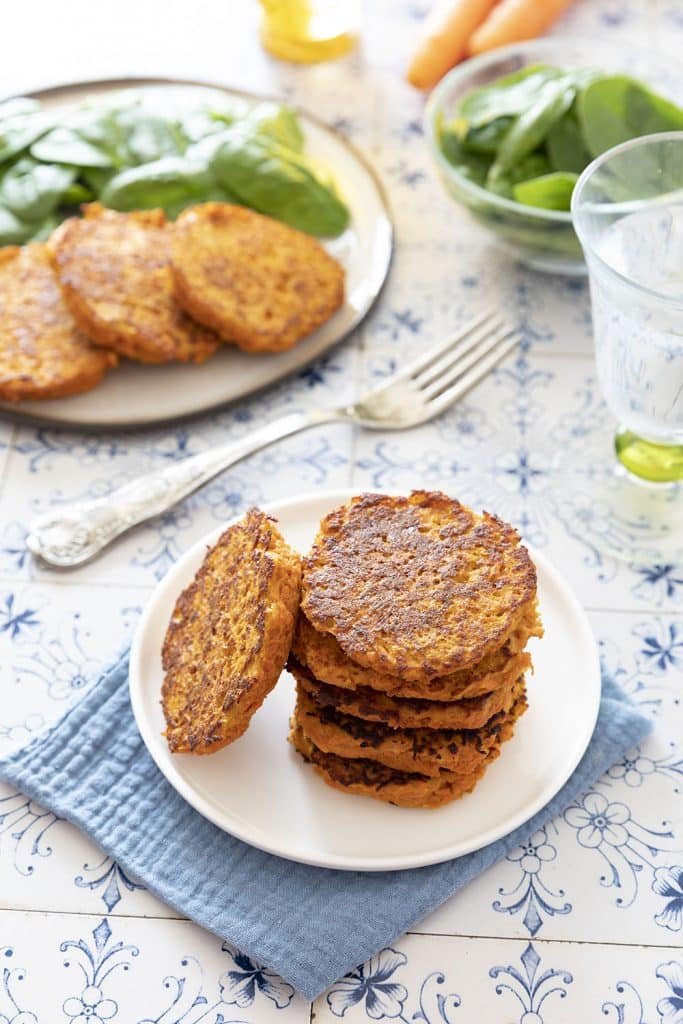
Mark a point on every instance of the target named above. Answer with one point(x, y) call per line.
point(421, 390)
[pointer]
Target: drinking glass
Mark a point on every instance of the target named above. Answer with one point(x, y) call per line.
point(627, 209)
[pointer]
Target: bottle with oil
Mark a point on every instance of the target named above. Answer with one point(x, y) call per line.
point(307, 31)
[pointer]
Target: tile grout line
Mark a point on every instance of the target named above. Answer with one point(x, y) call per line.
point(537, 938)
point(417, 934)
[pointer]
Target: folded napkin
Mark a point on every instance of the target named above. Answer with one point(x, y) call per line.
point(311, 925)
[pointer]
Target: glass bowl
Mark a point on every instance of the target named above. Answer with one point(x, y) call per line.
point(543, 239)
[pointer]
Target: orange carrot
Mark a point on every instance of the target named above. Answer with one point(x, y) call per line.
point(443, 41)
point(514, 20)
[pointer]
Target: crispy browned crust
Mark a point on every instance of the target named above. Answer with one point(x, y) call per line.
point(256, 282)
point(229, 635)
point(416, 587)
point(43, 354)
point(408, 712)
point(323, 657)
point(370, 778)
point(427, 751)
point(115, 274)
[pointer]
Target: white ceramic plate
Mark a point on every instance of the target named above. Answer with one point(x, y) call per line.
point(136, 395)
point(261, 791)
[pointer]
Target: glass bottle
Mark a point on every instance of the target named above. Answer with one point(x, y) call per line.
point(307, 31)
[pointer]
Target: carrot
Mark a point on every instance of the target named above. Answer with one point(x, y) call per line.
point(514, 20)
point(443, 40)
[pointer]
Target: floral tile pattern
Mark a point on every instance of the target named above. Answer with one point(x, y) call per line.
point(448, 979)
point(584, 921)
point(89, 970)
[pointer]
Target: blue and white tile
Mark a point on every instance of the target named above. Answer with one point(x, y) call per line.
point(92, 968)
point(610, 867)
point(446, 980)
point(55, 641)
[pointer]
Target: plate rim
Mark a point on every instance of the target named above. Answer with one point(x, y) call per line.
point(346, 862)
point(15, 414)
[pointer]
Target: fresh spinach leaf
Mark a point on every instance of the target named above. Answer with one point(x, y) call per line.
point(274, 180)
point(474, 166)
point(66, 146)
point(96, 178)
point(565, 145)
point(20, 131)
point(32, 190)
point(488, 137)
point(198, 124)
point(532, 166)
point(530, 129)
point(171, 183)
point(43, 230)
point(76, 194)
point(104, 129)
point(616, 108)
point(13, 231)
point(549, 191)
point(276, 122)
point(146, 135)
point(508, 96)
point(156, 147)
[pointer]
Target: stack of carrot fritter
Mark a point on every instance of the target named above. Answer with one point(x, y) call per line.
point(409, 654)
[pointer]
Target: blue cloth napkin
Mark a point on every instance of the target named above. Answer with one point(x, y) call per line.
point(311, 925)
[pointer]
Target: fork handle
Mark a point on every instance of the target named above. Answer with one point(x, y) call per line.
point(73, 535)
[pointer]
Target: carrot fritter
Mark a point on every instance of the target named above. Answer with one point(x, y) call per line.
point(42, 352)
point(229, 636)
point(115, 273)
point(427, 751)
point(256, 282)
point(321, 654)
point(416, 587)
point(370, 778)
point(408, 712)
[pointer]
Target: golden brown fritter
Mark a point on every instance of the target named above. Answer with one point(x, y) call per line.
point(229, 635)
point(115, 273)
point(416, 587)
point(427, 751)
point(42, 352)
point(409, 712)
point(370, 778)
point(256, 282)
point(323, 657)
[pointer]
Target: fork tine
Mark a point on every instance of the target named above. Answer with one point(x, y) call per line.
point(433, 353)
point(473, 376)
point(459, 352)
point(456, 366)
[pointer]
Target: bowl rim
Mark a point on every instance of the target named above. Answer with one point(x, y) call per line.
point(553, 45)
point(589, 249)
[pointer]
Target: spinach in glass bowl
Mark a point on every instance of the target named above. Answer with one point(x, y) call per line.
point(512, 130)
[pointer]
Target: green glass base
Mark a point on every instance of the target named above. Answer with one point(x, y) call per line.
point(658, 463)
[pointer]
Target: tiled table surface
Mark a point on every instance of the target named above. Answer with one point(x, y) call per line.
point(584, 923)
